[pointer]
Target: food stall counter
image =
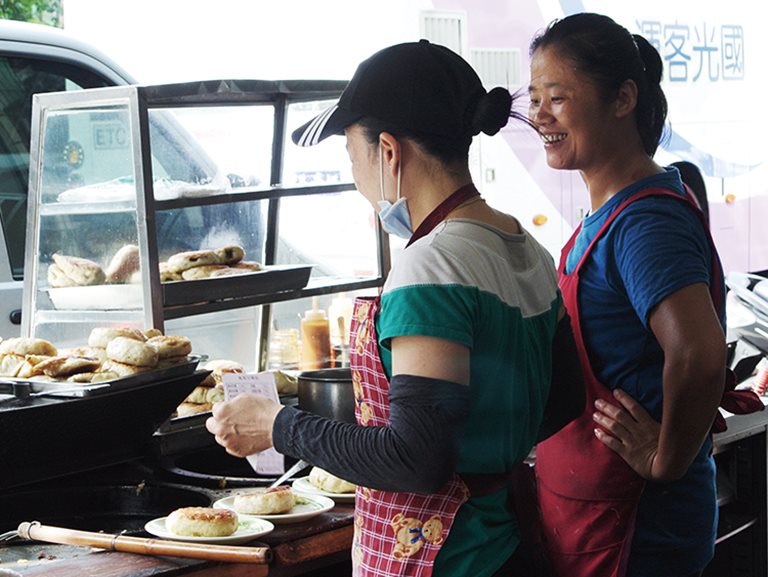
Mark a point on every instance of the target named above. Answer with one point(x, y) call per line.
point(297, 549)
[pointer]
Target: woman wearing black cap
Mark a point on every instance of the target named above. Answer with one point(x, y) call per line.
point(452, 363)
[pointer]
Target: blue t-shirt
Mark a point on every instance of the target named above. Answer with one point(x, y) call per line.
point(655, 247)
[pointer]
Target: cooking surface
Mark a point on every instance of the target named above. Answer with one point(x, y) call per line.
point(126, 496)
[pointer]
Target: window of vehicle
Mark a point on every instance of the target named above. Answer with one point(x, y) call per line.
point(20, 78)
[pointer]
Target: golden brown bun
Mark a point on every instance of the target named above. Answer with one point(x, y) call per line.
point(63, 367)
point(250, 265)
point(324, 481)
point(28, 346)
point(167, 275)
point(186, 409)
point(221, 366)
point(214, 395)
point(82, 271)
point(44, 378)
point(168, 346)
point(197, 396)
point(131, 352)
point(10, 364)
point(124, 263)
point(226, 271)
point(171, 361)
point(182, 261)
point(230, 254)
point(57, 278)
point(100, 336)
point(153, 332)
point(202, 522)
point(31, 366)
point(104, 375)
point(286, 384)
point(98, 353)
point(204, 271)
point(121, 369)
point(272, 501)
point(83, 378)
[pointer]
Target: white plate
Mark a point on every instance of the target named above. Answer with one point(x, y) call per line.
point(302, 485)
point(311, 506)
point(248, 529)
point(98, 297)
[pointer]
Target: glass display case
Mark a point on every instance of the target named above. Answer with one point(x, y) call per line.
point(185, 207)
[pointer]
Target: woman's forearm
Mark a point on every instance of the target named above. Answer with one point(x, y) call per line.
point(691, 398)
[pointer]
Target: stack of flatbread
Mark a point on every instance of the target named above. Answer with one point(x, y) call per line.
point(125, 268)
point(210, 390)
point(111, 353)
point(211, 263)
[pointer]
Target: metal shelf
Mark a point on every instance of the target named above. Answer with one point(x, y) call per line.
point(266, 299)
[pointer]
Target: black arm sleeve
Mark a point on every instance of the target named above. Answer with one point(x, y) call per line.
point(566, 392)
point(415, 453)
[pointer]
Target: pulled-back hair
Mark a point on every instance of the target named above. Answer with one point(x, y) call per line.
point(608, 54)
point(488, 114)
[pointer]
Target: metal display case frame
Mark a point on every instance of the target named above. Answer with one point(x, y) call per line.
point(158, 304)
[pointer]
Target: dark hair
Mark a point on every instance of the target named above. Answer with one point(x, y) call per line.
point(489, 114)
point(610, 55)
point(691, 175)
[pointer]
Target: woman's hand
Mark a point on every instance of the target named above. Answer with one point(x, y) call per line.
point(243, 426)
point(631, 432)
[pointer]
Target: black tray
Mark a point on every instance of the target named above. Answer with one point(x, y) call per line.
point(30, 387)
point(47, 437)
point(272, 279)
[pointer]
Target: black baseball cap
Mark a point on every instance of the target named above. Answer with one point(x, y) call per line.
point(419, 86)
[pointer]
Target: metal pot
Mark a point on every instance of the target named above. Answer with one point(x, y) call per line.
point(329, 393)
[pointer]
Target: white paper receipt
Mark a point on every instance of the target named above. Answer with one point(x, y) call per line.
point(268, 462)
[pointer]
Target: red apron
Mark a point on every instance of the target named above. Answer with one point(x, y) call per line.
point(588, 494)
point(395, 533)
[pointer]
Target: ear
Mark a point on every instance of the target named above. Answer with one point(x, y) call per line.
point(626, 99)
point(390, 152)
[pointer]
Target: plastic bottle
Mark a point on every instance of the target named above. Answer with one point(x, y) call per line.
point(341, 307)
point(315, 339)
point(284, 349)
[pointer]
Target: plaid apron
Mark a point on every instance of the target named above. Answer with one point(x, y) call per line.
point(395, 533)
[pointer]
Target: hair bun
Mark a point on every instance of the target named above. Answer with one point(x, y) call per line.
point(492, 111)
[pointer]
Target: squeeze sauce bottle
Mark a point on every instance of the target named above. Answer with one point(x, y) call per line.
point(315, 339)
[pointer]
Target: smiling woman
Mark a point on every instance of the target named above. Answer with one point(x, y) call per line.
point(641, 269)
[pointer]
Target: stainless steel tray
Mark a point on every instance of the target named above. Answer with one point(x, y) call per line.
point(272, 279)
point(30, 387)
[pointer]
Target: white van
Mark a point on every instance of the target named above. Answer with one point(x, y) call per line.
point(33, 58)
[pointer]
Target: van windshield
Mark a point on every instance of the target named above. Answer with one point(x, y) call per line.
point(20, 78)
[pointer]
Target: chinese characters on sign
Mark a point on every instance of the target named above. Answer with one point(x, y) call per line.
point(696, 53)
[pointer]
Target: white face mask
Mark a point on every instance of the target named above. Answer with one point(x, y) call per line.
point(395, 218)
